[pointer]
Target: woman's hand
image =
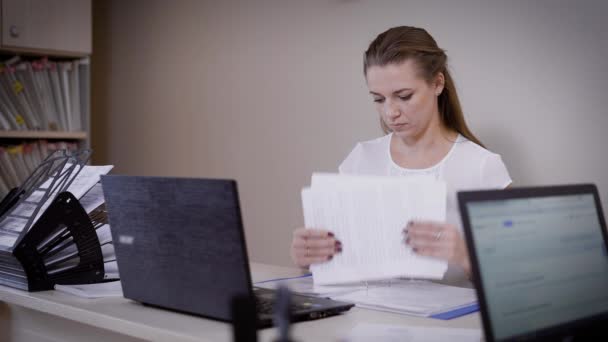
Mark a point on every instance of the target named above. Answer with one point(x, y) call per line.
point(311, 246)
point(439, 240)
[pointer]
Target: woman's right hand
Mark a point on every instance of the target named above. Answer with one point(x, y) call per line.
point(312, 246)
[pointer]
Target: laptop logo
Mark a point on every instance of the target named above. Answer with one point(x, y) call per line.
point(126, 239)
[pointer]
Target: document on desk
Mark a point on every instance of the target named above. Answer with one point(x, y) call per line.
point(402, 296)
point(412, 297)
point(388, 332)
point(368, 214)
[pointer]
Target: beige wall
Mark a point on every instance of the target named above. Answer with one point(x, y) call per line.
point(267, 92)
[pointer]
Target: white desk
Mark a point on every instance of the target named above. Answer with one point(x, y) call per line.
point(55, 316)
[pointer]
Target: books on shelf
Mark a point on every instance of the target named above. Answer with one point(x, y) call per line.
point(44, 95)
point(19, 161)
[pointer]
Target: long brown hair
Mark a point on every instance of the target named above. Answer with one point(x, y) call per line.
point(399, 44)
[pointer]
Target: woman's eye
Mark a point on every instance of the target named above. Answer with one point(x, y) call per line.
point(406, 97)
point(378, 100)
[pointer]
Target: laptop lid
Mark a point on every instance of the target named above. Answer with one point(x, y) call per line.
point(179, 242)
point(539, 260)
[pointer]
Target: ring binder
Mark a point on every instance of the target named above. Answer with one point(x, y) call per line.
point(46, 236)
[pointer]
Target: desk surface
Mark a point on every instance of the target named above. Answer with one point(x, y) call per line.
point(131, 319)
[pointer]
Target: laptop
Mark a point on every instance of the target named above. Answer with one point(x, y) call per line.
point(539, 261)
point(180, 245)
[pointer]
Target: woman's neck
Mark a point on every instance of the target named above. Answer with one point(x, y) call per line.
point(424, 150)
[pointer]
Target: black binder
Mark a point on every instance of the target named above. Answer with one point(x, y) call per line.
point(58, 246)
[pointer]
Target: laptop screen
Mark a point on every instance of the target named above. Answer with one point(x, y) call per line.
point(542, 261)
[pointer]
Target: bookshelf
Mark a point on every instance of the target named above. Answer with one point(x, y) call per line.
point(60, 33)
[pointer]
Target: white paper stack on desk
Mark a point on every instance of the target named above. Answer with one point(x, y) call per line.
point(368, 214)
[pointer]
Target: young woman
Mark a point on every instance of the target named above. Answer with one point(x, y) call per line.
point(408, 79)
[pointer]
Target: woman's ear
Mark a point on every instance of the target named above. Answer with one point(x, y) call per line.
point(439, 83)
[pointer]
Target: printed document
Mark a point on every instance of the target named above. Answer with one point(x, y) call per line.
point(368, 214)
point(402, 296)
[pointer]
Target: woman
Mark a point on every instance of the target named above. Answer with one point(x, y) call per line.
point(408, 79)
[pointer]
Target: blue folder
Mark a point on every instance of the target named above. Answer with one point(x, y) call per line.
point(457, 312)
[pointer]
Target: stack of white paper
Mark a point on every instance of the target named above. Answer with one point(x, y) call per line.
point(368, 214)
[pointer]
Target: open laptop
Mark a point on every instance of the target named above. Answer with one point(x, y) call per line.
point(180, 245)
point(539, 260)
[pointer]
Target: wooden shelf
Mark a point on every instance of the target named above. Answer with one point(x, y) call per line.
point(41, 52)
point(43, 135)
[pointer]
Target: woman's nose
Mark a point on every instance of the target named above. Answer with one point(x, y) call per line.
point(391, 110)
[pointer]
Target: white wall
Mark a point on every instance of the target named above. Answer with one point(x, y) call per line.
point(267, 92)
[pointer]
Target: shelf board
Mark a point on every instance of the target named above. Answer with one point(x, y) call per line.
point(42, 52)
point(43, 135)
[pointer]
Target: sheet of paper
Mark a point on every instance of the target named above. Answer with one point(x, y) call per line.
point(394, 333)
point(108, 289)
point(104, 234)
point(367, 214)
point(412, 297)
point(93, 198)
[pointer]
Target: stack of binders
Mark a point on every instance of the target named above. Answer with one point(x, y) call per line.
point(44, 95)
point(53, 228)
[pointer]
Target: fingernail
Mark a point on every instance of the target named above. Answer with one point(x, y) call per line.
point(330, 234)
point(407, 240)
point(415, 249)
point(338, 243)
point(409, 223)
point(404, 231)
point(330, 257)
point(339, 249)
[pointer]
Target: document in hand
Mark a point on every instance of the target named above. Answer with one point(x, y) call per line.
point(368, 214)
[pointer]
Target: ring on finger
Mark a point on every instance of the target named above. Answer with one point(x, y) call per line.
point(438, 235)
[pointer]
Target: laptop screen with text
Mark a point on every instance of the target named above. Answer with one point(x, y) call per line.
point(542, 261)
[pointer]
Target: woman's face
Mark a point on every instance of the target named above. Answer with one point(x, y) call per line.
point(406, 103)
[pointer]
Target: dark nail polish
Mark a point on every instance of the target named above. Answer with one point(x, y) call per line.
point(338, 243)
point(407, 240)
point(330, 234)
point(415, 249)
point(339, 249)
point(330, 257)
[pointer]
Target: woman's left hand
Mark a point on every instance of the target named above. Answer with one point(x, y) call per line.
point(439, 240)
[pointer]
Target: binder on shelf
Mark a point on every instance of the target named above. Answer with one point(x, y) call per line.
point(46, 235)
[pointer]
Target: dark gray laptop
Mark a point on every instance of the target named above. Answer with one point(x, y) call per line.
point(180, 245)
point(540, 262)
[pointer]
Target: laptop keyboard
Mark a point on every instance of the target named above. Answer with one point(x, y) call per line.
point(264, 301)
point(264, 305)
